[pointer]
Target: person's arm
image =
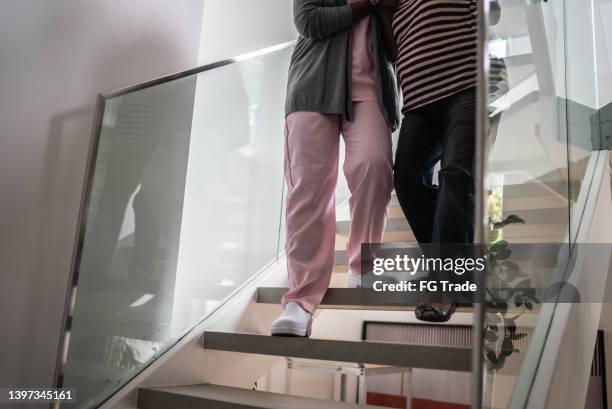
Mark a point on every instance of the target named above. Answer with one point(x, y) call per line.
point(387, 9)
point(361, 9)
point(387, 23)
point(315, 20)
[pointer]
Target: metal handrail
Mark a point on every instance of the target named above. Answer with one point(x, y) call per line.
point(194, 71)
point(73, 278)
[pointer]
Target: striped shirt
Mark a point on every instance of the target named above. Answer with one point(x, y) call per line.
point(437, 42)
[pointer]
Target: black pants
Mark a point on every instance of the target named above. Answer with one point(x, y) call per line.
point(444, 131)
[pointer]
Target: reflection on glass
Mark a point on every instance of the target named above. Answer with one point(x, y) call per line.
point(581, 104)
point(527, 180)
point(185, 207)
point(542, 109)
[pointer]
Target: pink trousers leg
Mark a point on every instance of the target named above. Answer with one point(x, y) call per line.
point(368, 168)
point(311, 172)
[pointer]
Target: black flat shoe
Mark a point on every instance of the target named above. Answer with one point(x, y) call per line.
point(430, 313)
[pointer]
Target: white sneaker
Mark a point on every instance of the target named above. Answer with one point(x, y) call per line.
point(294, 322)
point(353, 280)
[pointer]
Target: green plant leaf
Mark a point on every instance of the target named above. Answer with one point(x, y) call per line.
point(493, 319)
point(518, 300)
point(503, 254)
point(514, 219)
point(501, 360)
point(510, 325)
point(491, 357)
point(490, 336)
point(507, 347)
point(500, 245)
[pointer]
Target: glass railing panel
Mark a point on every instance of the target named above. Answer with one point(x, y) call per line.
point(582, 104)
point(234, 188)
point(527, 182)
point(185, 206)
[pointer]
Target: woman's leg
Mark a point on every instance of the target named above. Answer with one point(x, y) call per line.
point(418, 151)
point(453, 229)
point(453, 215)
point(368, 168)
point(311, 173)
point(454, 221)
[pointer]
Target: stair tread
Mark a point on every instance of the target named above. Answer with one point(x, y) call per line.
point(395, 354)
point(355, 298)
point(532, 216)
point(199, 396)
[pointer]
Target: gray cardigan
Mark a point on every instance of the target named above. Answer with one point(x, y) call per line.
point(320, 70)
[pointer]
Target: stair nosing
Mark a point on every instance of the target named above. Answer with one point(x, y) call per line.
point(226, 397)
point(394, 354)
point(362, 298)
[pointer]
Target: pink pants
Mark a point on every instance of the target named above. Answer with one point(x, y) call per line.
point(311, 173)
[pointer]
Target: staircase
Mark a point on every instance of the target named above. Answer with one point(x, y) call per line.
point(181, 347)
point(537, 203)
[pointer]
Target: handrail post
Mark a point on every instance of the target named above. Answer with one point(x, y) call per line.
point(482, 132)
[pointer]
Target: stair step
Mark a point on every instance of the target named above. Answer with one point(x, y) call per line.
point(354, 299)
point(540, 189)
point(532, 216)
point(551, 228)
point(515, 60)
point(409, 356)
point(396, 231)
point(512, 204)
point(516, 204)
point(226, 397)
point(553, 215)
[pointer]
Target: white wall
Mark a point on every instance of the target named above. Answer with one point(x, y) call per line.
point(235, 27)
point(56, 56)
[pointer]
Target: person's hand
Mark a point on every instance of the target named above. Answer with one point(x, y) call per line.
point(388, 6)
